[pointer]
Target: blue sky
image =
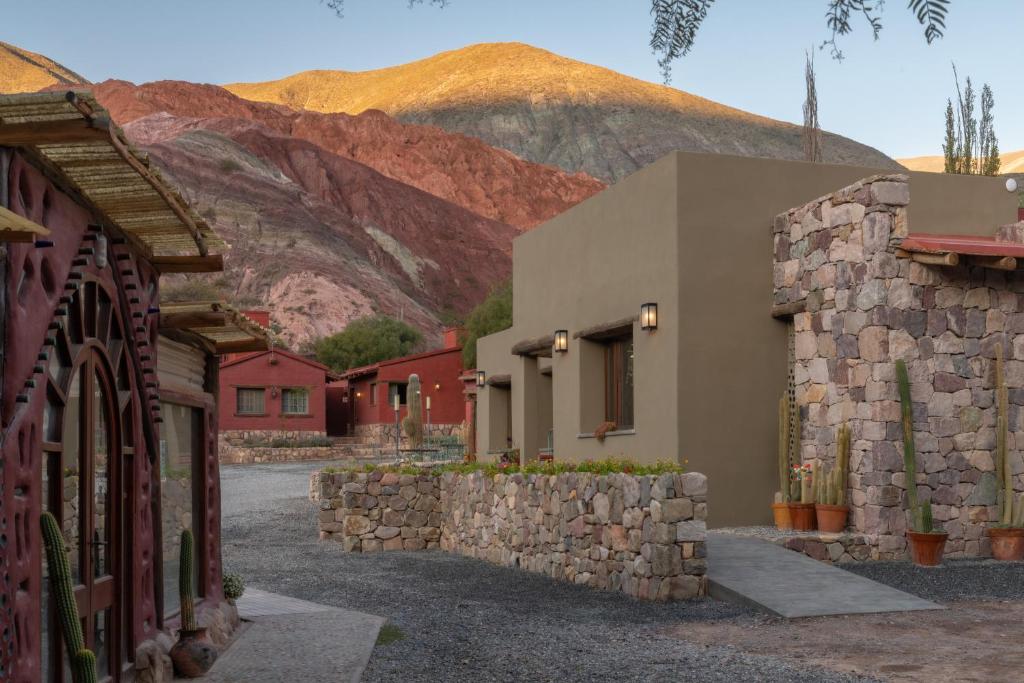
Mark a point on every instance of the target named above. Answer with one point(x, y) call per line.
point(890, 94)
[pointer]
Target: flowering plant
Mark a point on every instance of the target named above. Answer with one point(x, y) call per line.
point(800, 472)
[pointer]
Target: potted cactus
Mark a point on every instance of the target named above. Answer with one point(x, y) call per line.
point(830, 488)
point(926, 544)
point(780, 508)
point(802, 512)
point(83, 661)
point(192, 655)
point(1007, 535)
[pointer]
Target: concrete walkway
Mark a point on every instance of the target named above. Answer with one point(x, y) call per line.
point(790, 584)
point(296, 640)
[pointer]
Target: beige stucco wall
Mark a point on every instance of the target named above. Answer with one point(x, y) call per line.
point(693, 233)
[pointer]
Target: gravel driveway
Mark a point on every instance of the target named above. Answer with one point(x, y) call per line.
point(467, 620)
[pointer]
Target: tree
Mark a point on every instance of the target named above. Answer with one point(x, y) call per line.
point(970, 145)
point(494, 314)
point(812, 127)
point(366, 341)
point(675, 23)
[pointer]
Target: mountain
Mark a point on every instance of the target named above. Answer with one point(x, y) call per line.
point(463, 170)
point(1013, 162)
point(24, 71)
point(552, 110)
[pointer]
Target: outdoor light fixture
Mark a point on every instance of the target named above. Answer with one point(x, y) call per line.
point(561, 344)
point(649, 316)
point(101, 251)
point(481, 378)
point(359, 394)
point(437, 386)
point(1011, 185)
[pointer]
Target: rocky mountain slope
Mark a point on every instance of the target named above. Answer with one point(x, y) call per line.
point(551, 110)
point(1013, 162)
point(24, 71)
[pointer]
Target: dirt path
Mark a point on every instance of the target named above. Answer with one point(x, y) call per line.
point(970, 642)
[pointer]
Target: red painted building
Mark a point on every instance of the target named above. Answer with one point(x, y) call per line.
point(362, 402)
point(273, 391)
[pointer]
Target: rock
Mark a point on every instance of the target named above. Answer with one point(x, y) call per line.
point(892, 193)
point(386, 532)
point(356, 525)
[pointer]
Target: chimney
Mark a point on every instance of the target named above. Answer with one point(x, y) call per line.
point(260, 317)
point(451, 337)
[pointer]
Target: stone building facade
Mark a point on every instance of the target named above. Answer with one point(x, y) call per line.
point(859, 303)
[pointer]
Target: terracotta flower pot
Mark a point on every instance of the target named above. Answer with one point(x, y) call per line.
point(831, 518)
point(192, 655)
point(802, 515)
point(926, 549)
point(782, 519)
point(1007, 543)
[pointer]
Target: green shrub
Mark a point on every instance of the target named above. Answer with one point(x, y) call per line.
point(234, 586)
point(367, 340)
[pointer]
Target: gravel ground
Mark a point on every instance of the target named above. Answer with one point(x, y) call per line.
point(952, 581)
point(468, 620)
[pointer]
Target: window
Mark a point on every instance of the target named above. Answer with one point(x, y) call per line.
point(396, 390)
point(373, 393)
point(618, 394)
point(180, 449)
point(295, 401)
point(250, 402)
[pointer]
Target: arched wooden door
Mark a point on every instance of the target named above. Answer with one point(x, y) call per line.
point(85, 476)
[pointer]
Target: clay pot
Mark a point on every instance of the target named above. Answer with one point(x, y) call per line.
point(831, 518)
point(782, 519)
point(1007, 543)
point(926, 549)
point(802, 515)
point(192, 655)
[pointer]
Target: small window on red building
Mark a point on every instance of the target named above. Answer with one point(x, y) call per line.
point(250, 402)
point(373, 393)
point(295, 401)
point(396, 389)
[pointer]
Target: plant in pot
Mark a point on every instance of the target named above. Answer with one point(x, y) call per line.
point(830, 488)
point(83, 661)
point(802, 513)
point(1007, 536)
point(234, 587)
point(926, 544)
point(784, 496)
point(192, 655)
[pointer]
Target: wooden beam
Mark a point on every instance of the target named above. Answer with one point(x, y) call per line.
point(191, 320)
point(609, 329)
point(790, 309)
point(994, 262)
point(214, 263)
point(942, 259)
point(52, 132)
point(533, 347)
point(499, 381)
point(15, 228)
point(242, 346)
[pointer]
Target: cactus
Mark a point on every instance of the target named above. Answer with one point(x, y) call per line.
point(185, 564)
point(413, 423)
point(83, 661)
point(1004, 470)
point(785, 494)
point(832, 488)
point(920, 513)
point(807, 483)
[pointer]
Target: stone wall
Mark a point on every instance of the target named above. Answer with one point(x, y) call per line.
point(245, 456)
point(867, 305)
point(384, 432)
point(641, 535)
point(238, 437)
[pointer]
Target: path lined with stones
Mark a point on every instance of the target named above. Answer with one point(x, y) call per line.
point(468, 620)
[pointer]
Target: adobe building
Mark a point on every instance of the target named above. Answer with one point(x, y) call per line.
point(108, 397)
point(273, 394)
point(362, 402)
point(653, 322)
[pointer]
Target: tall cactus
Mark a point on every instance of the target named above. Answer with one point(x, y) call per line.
point(83, 662)
point(835, 486)
point(413, 423)
point(185, 564)
point(807, 483)
point(1004, 469)
point(920, 513)
point(785, 494)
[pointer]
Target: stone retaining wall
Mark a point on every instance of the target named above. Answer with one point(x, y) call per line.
point(641, 535)
point(232, 455)
point(867, 305)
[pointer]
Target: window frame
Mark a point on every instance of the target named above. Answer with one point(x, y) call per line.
point(615, 350)
point(263, 401)
point(285, 391)
point(402, 388)
point(373, 393)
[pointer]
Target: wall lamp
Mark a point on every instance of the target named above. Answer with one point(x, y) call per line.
point(649, 316)
point(481, 378)
point(561, 344)
point(437, 386)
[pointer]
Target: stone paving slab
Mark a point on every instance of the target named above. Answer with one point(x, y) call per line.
point(788, 584)
point(295, 640)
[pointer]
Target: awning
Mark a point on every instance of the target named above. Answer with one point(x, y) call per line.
point(951, 250)
point(225, 329)
point(71, 138)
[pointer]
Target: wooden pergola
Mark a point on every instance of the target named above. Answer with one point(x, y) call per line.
point(221, 327)
point(952, 250)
